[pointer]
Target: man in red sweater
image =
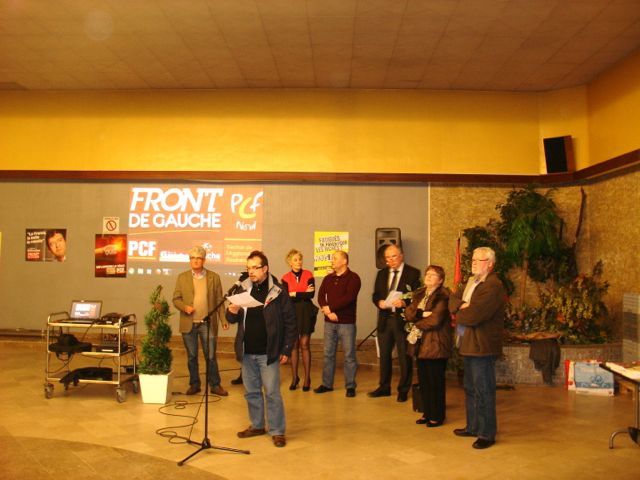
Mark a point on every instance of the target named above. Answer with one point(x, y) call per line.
point(338, 297)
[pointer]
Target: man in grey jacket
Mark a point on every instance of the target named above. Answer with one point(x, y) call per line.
point(479, 314)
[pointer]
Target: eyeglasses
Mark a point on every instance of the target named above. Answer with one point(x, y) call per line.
point(479, 259)
point(254, 268)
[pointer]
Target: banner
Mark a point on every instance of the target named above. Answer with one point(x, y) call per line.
point(165, 222)
point(325, 245)
point(111, 256)
point(46, 245)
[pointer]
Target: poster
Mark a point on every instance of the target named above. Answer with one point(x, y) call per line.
point(324, 246)
point(165, 222)
point(111, 255)
point(46, 245)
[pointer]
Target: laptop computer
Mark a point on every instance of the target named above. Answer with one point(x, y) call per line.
point(85, 311)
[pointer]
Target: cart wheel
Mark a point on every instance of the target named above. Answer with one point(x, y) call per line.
point(136, 386)
point(121, 394)
point(48, 390)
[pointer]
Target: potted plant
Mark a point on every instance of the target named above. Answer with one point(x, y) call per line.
point(155, 367)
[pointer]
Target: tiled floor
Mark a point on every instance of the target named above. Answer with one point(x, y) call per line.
point(85, 433)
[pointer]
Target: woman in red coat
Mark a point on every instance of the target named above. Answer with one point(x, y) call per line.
point(301, 286)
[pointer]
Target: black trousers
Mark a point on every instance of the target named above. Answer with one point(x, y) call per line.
point(431, 375)
point(391, 335)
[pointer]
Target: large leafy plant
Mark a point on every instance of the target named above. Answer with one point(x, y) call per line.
point(529, 235)
point(156, 354)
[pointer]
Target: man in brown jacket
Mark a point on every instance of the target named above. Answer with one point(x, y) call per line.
point(198, 291)
point(480, 318)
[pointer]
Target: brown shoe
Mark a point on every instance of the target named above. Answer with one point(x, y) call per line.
point(279, 441)
point(218, 390)
point(251, 432)
point(193, 390)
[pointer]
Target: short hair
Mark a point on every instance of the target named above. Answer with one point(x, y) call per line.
point(51, 233)
point(197, 252)
point(344, 255)
point(291, 254)
point(489, 252)
point(436, 268)
point(394, 245)
point(263, 258)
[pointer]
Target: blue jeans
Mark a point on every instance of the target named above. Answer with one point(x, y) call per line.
point(480, 396)
point(256, 375)
point(190, 339)
point(346, 333)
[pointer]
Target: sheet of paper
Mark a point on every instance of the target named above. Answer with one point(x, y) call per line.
point(244, 300)
point(392, 297)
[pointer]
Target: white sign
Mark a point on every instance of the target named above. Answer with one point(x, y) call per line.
point(110, 225)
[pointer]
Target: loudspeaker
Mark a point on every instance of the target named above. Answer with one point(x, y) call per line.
point(558, 153)
point(384, 238)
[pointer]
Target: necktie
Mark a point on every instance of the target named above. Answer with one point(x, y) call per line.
point(394, 279)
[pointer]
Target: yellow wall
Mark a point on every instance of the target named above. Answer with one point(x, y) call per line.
point(324, 131)
point(614, 111)
point(319, 131)
point(564, 112)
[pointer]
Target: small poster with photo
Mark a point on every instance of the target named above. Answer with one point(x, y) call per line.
point(46, 244)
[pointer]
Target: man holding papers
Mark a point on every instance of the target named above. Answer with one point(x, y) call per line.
point(266, 334)
point(391, 283)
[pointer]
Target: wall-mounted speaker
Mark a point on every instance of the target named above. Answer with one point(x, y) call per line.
point(558, 153)
point(384, 238)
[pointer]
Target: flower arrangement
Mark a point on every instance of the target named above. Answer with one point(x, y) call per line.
point(576, 311)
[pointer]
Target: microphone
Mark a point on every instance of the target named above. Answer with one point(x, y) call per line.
point(236, 285)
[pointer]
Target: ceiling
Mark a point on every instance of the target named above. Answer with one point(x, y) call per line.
point(507, 45)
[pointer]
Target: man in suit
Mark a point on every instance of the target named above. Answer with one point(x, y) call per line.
point(403, 278)
point(479, 314)
point(197, 292)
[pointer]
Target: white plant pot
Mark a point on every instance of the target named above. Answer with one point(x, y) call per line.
point(155, 388)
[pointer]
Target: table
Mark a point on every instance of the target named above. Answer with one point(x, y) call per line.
point(633, 377)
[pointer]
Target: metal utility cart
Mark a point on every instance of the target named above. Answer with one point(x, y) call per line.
point(115, 335)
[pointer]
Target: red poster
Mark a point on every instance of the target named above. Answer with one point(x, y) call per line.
point(111, 255)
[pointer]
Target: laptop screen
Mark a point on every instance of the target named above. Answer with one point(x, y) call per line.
point(85, 309)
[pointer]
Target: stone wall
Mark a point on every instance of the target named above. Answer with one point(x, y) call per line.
point(609, 230)
point(516, 368)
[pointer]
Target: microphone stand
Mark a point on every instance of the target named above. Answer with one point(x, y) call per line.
point(206, 443)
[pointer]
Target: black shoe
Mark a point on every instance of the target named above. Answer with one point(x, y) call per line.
point(351, 392)
point(463, 432)
point(193, 390)
point(482, 443)
point(307, 386)
point(237, 381)
point(379, 392)
point(322, 389)
point(421, 421)
point(431, 424)
point(294, 384)
point(402, 397)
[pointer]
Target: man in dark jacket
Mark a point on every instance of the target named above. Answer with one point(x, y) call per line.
point(402, 278)
point(266, 335)
point(479, 314)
